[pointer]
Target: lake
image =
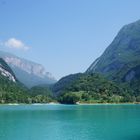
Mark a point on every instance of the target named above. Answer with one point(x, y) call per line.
point(70, 122)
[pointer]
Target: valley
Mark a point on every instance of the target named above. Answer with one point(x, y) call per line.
point(112, 78)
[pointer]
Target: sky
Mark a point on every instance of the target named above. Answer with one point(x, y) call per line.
point(65, 36)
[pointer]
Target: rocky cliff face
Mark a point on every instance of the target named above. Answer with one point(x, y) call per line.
point(27, 72)
point(6, 72)
point(122, 55)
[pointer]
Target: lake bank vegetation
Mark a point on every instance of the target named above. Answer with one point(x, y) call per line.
point(84, 88)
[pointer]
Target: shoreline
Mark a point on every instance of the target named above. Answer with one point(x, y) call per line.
point(108, 104)
point(16, 104)
point(53, 103)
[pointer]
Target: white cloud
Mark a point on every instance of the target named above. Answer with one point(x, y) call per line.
point(16, 44)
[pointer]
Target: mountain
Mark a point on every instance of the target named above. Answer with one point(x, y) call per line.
point(121, 60)
point(59, 87)
point(27, 72)
point(11, 90)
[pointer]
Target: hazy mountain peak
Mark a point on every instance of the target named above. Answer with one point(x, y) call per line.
point(29, 67)
point(28, 72)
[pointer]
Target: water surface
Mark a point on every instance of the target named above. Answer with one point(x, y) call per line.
point(70, 122)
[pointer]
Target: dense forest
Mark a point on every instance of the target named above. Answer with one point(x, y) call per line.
point(16, 93)
point(94, 88)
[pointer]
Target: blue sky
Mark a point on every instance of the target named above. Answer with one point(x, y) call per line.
point(66, 36)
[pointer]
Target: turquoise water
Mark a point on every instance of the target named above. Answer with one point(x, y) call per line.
point(66, 122)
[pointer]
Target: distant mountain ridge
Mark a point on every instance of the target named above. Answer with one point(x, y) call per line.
point(27, 72)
